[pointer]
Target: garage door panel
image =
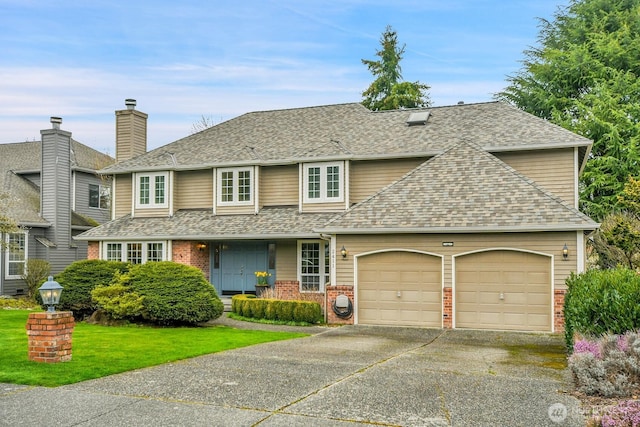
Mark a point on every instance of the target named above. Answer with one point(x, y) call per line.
point(418, 279)
point(523, 279)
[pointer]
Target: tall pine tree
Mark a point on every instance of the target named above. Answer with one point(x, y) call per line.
point(584, 77)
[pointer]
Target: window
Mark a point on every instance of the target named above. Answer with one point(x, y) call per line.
point(17, 254)
point(323, 182)
point(135, 252)
point(99, 196)
point(314, 265)
point(151, 190)
point(235, 186)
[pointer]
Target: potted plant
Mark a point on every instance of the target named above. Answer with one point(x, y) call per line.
point(262, 282)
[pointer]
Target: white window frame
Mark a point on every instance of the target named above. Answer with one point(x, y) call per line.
point(235, 172)
point(104, 193)
point(324, 267)
point(124, 250)
point(9, 251)
point(323, 182)
point(152, 190)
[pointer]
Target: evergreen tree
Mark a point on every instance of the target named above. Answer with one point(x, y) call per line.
point(388, 91)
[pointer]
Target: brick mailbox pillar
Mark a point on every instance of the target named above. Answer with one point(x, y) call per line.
point(50, 336)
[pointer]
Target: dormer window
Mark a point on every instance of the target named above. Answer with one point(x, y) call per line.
point(151, 190)
point(323, 182)
point(235, 186)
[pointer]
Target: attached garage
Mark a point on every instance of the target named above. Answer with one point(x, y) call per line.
point(399, 288)
point(503, 289)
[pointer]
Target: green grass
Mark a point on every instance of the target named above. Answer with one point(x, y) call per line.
point(99, 351)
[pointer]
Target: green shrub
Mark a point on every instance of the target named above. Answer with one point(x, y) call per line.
point(172, 293)
point(118, 301)
point(602, 301)
point(277, 310)
point(80, 278)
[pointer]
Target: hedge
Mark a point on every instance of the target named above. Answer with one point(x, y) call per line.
point(274, 309)
point(601, 301)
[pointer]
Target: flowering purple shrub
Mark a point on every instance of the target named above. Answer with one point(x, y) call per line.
point(608, 366)
point(587, 346)
point(625, 414)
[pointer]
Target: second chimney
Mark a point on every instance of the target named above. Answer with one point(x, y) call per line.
point(131, 132)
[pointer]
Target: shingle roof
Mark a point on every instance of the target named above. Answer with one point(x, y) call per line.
point(350, 131)
point(23, 202)
point(281, 222)
point(464, 189)
point(27, 156)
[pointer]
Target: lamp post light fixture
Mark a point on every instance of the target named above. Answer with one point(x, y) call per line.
point(50, 292)
point(565, 252)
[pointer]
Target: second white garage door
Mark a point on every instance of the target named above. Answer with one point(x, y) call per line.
point(400, 288)
point(503, 290)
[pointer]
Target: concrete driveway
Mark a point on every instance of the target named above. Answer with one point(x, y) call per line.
point(348, 376)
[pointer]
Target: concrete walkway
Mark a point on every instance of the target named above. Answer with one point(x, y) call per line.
point(348, 376)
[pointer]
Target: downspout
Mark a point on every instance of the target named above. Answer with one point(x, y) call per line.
point(332, 268)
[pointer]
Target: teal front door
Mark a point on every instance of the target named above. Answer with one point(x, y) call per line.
point(238, 263)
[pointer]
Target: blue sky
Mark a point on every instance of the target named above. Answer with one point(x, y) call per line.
point(184, 59)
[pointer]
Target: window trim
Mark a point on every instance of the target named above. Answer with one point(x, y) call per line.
point(324, 267)
point(323, 182)
point(152, 190)
point(8, 252)
point(124, 250)
point(235, 186)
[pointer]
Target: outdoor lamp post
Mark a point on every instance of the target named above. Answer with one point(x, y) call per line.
point(50, 292)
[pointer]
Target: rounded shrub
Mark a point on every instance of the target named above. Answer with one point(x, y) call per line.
point(601, 301)
point(172, 293)
point(80, 278)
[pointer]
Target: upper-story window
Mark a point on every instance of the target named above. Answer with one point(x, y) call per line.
point(151, 190)
point(323, 182)
point(99, 196)
point(16, 254)
point(235, 186)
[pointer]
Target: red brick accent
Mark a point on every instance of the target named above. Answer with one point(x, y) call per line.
point(447, 308)
point(287, 289)
point(93, 250)
point(332, 294)
point(49, 336)
point(558, 310)
point(186, 252)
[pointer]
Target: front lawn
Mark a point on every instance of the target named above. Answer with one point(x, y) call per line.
point(99, 351)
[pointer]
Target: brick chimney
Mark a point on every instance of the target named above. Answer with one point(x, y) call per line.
point(131, 132)
point(55, 186)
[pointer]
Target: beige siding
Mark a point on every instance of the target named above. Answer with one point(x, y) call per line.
point(551, 169)
point(547, 243)
point(369, 177)
point(323, 207)
point(286, 260)
point(235, 210)
point(122, 199)
point(151, 213)
point(193, 189)
point(279, 185)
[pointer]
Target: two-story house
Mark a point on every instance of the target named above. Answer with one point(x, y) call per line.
point(51, 191)
point(463, 216)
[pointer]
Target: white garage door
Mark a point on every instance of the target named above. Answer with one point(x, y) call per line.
point(503, 290)
point(400, 288)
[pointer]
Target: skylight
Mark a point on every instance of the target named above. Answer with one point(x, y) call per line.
point(418, 118)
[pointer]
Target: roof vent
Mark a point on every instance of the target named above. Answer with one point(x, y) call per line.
point(130, 103)
point(55, 122)
point(460, 102)
point(418, 118)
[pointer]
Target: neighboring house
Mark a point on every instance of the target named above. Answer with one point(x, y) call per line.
point(50, 189)
point(463, 216)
